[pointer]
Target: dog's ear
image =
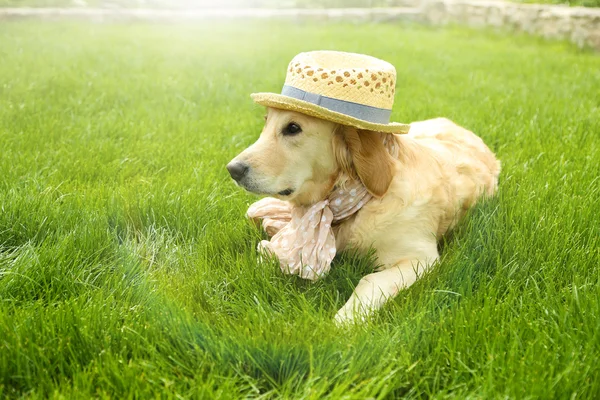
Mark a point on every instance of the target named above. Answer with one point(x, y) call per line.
point(361, 154)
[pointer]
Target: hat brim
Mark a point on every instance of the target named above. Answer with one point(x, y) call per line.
point(289, 103)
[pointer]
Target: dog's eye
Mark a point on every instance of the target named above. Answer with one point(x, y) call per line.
point(292, 129)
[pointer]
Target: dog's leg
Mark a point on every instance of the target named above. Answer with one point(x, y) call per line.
point(375, 289)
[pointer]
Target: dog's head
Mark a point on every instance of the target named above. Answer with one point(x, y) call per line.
point(300, 158)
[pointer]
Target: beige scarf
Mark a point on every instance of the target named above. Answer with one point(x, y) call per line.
point(302, 237)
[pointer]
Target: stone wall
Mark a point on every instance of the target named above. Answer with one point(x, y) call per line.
point(353, 15)
point(580, 25)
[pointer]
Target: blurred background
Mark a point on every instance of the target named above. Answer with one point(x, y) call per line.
point(195, 4)
point(180, 4)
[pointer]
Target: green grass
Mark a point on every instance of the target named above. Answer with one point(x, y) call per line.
point(127, 268)
point(572, 3)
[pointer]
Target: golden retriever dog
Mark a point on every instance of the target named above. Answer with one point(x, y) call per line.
point(441, 171)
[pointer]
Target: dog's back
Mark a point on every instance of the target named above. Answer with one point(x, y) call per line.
point(467, 167)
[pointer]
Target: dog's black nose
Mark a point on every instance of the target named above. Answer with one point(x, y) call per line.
point(237, 170)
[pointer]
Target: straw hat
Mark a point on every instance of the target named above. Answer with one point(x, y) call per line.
point(346, 88)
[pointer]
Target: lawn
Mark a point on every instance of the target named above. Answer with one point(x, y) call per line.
point(127, 268)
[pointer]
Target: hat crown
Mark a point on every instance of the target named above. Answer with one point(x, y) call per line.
point(351, 77)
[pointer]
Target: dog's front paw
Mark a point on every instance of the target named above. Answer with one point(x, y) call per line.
point(342, 319)
point(345, 317)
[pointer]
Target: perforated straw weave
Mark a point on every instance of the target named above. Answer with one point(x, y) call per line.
point(346, 88)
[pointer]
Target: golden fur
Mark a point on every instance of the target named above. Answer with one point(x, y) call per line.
point(441, 171)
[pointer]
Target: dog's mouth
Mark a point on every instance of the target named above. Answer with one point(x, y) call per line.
point(286, 192)
point(253, 188)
